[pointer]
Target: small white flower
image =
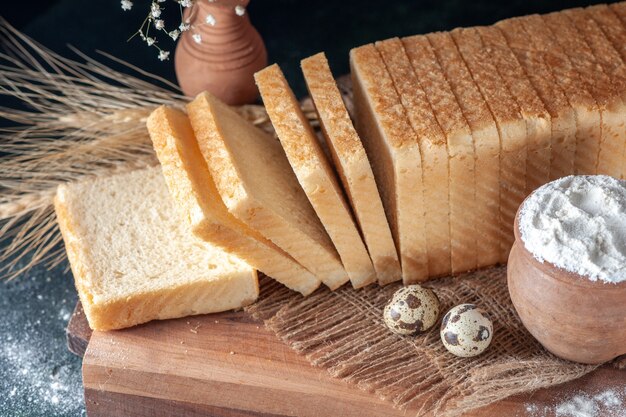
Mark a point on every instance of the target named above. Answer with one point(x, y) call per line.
point(150, 41)
point(184, 27)
point(197, 38)
point(174, 34)
point(186, 3)
point(164, 55)
point(210, 19)
point(127, 4)
point(155, 10)
point(240, 10)
point(159, 24)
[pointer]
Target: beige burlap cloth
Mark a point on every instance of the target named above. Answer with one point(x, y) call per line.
point(344, 333)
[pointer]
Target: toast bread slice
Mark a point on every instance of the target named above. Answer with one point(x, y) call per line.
point(533, 62)
point(353, 167)
point(434, 152)
point(611, 25)
point(511, 127)
point(393, 150)
point(134, 260)
point(257, 185)
point(456, 131)
point(532, 109)
point(195, 194)
point(601, 87)
point(580, 157)
point(606, 55)
point(476, 155)
point(315, 175)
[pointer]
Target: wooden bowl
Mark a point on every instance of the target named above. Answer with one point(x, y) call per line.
point(571, 316)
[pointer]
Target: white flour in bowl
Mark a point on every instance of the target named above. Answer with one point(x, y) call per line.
point(578, 223)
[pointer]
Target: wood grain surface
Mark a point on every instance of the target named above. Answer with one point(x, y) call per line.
point(227, 364)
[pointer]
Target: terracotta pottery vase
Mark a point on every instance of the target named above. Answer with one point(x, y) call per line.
point(227, 56)
point(571, 316)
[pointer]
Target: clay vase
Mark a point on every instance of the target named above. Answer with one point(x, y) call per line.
point(571, 316)
point(225, 60)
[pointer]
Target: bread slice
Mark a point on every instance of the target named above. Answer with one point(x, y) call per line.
point(569, 157)
point(195, 194)
point(134, 261)
point(532, 109)
point(434, 152)
point(393, 150)
point(259, 188)
point(612, 26)
point(477, 165)
point(538, 71)
point(461, 111)
point(353, 167)
point(511, 128)
point(601, 87)
point(614, 29)
point(457, 133)
point(619, 9)
point(606, 55)
point(315, 174)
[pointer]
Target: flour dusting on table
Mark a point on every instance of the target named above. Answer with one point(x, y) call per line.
point(608, 403)
point(578, 223)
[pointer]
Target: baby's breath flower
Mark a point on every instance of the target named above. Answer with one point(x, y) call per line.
point(155, 10)
point(164, 55)
point(155, 19)
point(240, 10)
point(210, 19)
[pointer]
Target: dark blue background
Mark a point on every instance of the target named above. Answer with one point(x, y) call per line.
point(38, 377)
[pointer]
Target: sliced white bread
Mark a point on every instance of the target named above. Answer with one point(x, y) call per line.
point(614, 28)
point(461, 114)
point(569, 157)
point(538, 71)
point(474, 167)
point(195, 194)
point(434, 152)
point(393, 150)
point(134, 260)
point(511, 127)
point(315, 174)
point(606, 55)
point(353, 167)
point(601, 87)
point(532, 109)
point(255, 181)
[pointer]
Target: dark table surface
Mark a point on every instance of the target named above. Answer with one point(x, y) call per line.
point(38, 376)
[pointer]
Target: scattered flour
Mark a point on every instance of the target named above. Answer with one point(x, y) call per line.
point(608, 403)
point(578, 223)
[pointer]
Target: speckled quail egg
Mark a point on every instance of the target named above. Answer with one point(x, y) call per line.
point(412, 309)
point(466, 330)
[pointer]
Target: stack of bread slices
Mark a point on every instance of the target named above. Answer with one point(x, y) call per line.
point(451, 132)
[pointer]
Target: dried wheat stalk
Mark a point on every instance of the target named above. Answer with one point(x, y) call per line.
point(79, 119)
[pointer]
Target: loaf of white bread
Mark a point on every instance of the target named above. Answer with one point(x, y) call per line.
point(451, 131)
point(134, 260)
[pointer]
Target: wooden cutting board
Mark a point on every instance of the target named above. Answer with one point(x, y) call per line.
point(228, 365)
